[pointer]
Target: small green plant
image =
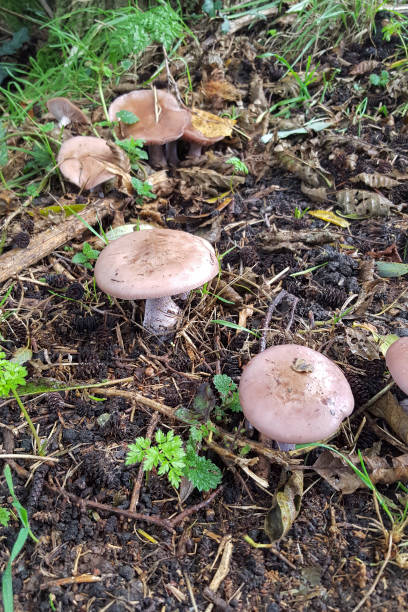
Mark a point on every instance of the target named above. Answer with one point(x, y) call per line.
point(228, 392)
point(143, 188)
point(171, 457)
point(239, 166)
point(133, 148)
point(25, 531)
point(299, 213)
point(13, 375)
point(380, 80)
point(4, 517)
point(86, 256)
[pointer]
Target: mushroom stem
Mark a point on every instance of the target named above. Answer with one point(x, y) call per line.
point(194, 150)
point(171, 153)
point(161, 315)
point(285, 446)
point(157, 158)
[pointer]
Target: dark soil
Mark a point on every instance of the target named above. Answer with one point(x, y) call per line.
point(91, 556)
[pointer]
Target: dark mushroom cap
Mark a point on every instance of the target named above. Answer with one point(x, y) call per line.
point(65, 111)
point(294, 394)
point(155, 263)
point(156, 128)
point(81, 158)
point(396, 359)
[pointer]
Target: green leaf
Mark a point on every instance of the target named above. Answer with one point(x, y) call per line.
point(79, 258)
point(11, 46)
point(127, 117)
point(152, 459)
point(6, 581)
point(224, 385)
point(160, 436)
point(4, 516)
point(234, 326)
point(11, 375)
point(202, 472)
point(89, 252)
point(3, 146)
point(390, 269)
point(142, 188)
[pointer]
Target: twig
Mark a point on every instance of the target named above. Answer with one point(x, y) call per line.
point(265, 325)
point(31, 457)
point(165, 523)
point(223, 568)
point(134, 500)
point(377, 578)
point(180, 517)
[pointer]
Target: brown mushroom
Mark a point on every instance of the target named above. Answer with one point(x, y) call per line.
point(205, 129)
point(396, 359)
point(155, 264)
point(81, 160)
point(161, 120)
point(293, 394)
point(66, 112)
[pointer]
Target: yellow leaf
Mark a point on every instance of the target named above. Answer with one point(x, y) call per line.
point(211, 125)
point(67, 209)
point(329, 217)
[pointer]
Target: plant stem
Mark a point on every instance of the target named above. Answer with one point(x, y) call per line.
point(29, 421)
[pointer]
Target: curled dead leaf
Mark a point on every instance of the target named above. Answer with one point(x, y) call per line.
point(363, 203)
point(285, 507)
point(211, 125)
point(375, 180)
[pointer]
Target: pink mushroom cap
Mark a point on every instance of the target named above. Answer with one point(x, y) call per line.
point(155, 263)
point(396, 359)
point(294, 394)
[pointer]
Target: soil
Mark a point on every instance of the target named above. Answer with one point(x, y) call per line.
point(92, 553)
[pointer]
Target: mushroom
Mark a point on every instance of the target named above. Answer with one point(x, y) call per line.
point(294, 395)
point(155, 264)
point(205, 129)
point(66, 112)
point(81, 160)
point(161, 120)
point(396, 359)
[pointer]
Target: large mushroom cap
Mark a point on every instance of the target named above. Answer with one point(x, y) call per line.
point(396, 359)
point(161, 119)
point(155, 263)
point(294, 394)
point(81, 158)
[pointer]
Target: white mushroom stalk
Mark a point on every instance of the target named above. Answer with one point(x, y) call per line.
point(161, 316)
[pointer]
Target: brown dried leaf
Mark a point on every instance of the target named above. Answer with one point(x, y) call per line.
point(342, 478)
point(375, 180)
point(221, 89)
point(287, 87)
point(361, 343)
point(285, 507)
point(274, 239)
point(316, 194)
point(298, 167)
point(206, 181)
point(364, 67)
point(389, 409)
point(211, 125)
point(363, 203)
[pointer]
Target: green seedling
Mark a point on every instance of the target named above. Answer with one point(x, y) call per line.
point(380, 80)
point(86, 256)
point(299, 213)
point(4, 517)
point(24, 533)
point(171, 457)
point(133, 148)
point(239, 166)
point(228, 392)
point(13, 375)
point(143, 188)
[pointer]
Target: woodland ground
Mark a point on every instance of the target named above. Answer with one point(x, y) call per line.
point(93, 554)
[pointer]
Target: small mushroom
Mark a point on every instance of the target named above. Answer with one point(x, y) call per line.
point(155, 264)
point(66, 112)
point(396, 359)
point(294, 395)
point(205, 129)
point(161, 120)
point(81, 160)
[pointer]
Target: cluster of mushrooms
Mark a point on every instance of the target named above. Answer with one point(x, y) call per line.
point(289, 393)
point(159, 121)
